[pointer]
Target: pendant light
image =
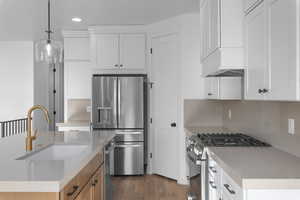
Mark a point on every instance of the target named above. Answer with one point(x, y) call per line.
point(48, 50)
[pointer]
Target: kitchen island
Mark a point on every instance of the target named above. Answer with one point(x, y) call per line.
point(63, 175)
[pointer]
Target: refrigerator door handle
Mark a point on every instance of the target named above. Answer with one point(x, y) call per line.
point(119, 102)
point(115, 110)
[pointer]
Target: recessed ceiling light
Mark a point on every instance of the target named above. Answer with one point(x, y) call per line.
point(76, 19)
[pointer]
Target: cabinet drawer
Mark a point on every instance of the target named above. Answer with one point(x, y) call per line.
point(77, 184)
point(230, 188)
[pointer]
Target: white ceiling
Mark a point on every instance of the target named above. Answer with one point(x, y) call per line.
point(26, 19)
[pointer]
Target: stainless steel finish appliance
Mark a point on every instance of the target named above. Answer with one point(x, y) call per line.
point(197, 157)
point(119, 105)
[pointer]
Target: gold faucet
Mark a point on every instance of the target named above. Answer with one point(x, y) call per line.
point(31, 137)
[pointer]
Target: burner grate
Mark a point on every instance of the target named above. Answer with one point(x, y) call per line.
point(230, 140)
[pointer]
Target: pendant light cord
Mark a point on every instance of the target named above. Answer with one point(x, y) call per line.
point(49, 22)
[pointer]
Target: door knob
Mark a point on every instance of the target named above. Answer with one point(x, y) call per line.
point(173, 124)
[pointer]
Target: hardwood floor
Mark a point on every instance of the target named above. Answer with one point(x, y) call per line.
point(147, 188)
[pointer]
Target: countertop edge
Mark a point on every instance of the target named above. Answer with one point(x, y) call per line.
point(256, 183)
point(30, 186)
point(53, 186)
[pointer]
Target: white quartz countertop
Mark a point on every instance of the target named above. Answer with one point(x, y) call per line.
point(259, 167)
point(254, 167)
point(46, 175)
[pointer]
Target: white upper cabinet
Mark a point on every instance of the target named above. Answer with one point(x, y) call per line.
point(221, 35)
point(77, 71)
point(118, 48)
point(212, 88)
point(205, 31)
point(76, 46)
point(107, 51)
point(132, 51)
point(214, 26)
point(78, 80)
point(223, 88)
point(256, 53)
point(283, 50)
point(272, 51)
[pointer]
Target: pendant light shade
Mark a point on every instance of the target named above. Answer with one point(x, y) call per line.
point(48, 50)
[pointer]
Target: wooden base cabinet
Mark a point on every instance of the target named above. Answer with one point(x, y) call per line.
point(98, 185)
point(86, 193)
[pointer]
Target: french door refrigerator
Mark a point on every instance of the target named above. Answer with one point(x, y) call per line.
point(119, 106)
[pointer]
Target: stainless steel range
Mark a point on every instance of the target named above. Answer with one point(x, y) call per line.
point(197, 157)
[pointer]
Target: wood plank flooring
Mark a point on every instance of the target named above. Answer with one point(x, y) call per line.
point(150, 187)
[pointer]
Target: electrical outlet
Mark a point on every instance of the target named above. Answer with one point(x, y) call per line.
point(291, 126)
point(229, 114)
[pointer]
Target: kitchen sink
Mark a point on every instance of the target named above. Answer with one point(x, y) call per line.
point(56, 152)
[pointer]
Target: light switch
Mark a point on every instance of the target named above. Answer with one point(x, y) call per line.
point(291, 123)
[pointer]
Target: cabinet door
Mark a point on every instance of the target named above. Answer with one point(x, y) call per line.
point(78, 80)
point(256, 53)
point(77, 49)
point(283, 49)
point(205, 29)
point(107, 56)
point(230, 88)
point(212, 87)
point(133, 51)
point(214, 25)
point(86, 193)
point(98, 184)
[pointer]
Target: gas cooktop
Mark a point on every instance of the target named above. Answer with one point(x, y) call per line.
point(230, 140)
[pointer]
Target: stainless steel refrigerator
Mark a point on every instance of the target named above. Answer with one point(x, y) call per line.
point(119, 106)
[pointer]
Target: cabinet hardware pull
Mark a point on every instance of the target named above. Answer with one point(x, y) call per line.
point(228, 188)
point(116, 65)
point(213, 169)
point(95, 183)
point(212, 185)
point(75, 188)
point(209, 94)
point(121, 65)
point(265, 90)
point(260, 91)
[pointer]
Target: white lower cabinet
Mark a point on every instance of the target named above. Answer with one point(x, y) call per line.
point(221, 186)
point(224, 88)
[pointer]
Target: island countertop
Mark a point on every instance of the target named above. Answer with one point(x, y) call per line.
point(46, 175)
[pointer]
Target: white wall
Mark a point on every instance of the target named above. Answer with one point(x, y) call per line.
point(16, 78)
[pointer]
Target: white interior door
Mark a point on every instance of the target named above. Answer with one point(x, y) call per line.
point(165, 91)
